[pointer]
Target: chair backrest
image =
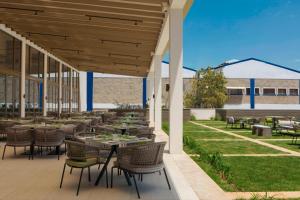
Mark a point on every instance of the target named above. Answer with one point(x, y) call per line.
point(230, 120)
point(81, 127)
point(103, 129)
point(76, 150)
point(148, 154)
point(23, 135)
point(147, 135)
point(48, 136)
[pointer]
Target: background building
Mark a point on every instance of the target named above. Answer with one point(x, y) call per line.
point(112, 90)
point(273, 86)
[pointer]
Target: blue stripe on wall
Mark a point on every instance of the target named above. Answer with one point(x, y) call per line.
point(89, 90)
point(144, 92)
point(252, 93)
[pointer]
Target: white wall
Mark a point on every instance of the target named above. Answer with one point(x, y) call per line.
point(259, 70)
point(203, 113)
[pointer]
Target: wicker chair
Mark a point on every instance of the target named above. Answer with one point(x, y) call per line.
point(104, 129)
point(141, 159)
point(81, 156)
point(19, 137)
point(49, 137)
point(80, 128)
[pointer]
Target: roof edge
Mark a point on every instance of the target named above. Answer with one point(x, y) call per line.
point(188, 68)
point(259, 60)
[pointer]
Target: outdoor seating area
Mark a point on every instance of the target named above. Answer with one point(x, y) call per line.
point(123, 141)
point(267, 126)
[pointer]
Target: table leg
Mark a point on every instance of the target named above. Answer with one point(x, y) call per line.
point(113, 149)
point(127, 178)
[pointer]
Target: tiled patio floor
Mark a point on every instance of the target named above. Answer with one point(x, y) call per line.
point(38, 179)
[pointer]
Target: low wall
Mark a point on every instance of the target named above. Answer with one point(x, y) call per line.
point(223, 113)
point(203, 113)
point(165, 114)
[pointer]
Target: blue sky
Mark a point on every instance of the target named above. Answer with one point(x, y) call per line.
point(220, 30)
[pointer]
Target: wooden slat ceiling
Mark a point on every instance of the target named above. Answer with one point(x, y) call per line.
point(109, 36)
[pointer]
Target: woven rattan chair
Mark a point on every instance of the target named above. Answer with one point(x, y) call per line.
point(104, 129)
point(19, 137)
point(141, 159)
point(49, 137)
point(81, 156)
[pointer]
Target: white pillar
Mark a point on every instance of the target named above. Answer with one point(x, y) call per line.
point(60, 88)
point(82, 91)
point(71, 91)
point(23, 78)
point(157, 92)
point(151, 99)
point(45, 85)
point(176, 82)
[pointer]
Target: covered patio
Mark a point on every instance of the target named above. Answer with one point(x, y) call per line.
point(45, 45)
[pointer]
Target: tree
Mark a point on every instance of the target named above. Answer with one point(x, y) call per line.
point(208, 90)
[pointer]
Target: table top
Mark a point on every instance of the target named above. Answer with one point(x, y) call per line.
point(112, 139)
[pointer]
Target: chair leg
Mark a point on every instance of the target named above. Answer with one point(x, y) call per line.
point(71, 170)
point(31, 151)
point(167, 179)
point(136, 187)
point(15, 151)
point(79, 182)
point(65, 149)
point(3, 152)
point(89, 173)
point(111, 177)
point(62, 176)
point(106, 178)
point(58, 152)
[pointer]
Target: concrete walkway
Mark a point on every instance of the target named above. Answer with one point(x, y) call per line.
point(294, 153)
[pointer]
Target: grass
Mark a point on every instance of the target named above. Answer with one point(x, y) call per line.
point(197, 132)
point(265, 173)
point(249, 174)
point(286, 144)
point(258, 174)
point(235, 147)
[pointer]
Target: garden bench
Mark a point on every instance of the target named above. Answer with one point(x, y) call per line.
point(261, 130)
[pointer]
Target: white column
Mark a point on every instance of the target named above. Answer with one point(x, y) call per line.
point(82, 91)
point(23, 78)
point(45, 85)
point(71, 91)
point(157, 92)
point(151, 101)
point(60, 88)
point(176, 82)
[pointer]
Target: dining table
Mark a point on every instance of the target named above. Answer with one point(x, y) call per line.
point(113, 141)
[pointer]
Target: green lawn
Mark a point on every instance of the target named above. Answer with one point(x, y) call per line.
point(250, 174)
point(258, 174)
point(197, 132)
point(235, 147)
point(286, 144)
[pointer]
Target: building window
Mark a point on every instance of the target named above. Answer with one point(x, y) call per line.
point(235, 91)
point(269, 91)
point(294, 92)
point(256, 91)
point(281, 92)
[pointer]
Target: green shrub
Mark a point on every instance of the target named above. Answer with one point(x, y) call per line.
point(215, 159)
point(193, 118)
